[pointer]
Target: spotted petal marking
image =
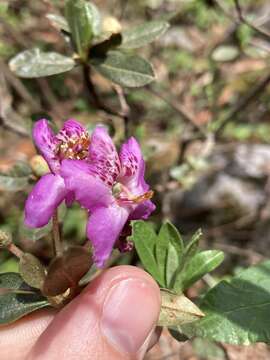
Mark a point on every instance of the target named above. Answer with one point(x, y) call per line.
point(104, 159)
point(47, 143)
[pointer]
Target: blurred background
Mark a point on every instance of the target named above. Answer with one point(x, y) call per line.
point(204, 126)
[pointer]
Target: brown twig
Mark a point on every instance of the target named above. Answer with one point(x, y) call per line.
point(94, 97)
point(16, 83)
point(180, 110)
point(244, 102)
point(43, 84)
point(125, 109)
point(96, 101)
point(13, 128)
point(15, 250)
point(246, 22)
point(9, 119)
point(235, 250)
point(241, 19)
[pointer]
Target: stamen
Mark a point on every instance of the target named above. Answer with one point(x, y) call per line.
point(146, 196)
point(75, 147)
point(123, 195)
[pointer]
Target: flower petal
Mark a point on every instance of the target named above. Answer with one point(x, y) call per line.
point(133, 167)
point(142, 211)
point(71, 128)
point(46, 142)
point(44, 199)
point(103, 229)
point(69, 199)
point(103, 156)
point(88, 190)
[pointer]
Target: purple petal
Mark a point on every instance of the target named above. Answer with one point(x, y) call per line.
point(103, 156)
point(103, 229)
point(142, 211)
point(133, 167)
point(71, 128)
point(70, 197)
point(46, 142)
point(88, 190)
point(44, 199)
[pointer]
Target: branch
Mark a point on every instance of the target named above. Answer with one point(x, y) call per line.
point(125, 109)
point(96, 101)
point(244, 102)
point(242, 19)
point(180, 110)
point(9, 119)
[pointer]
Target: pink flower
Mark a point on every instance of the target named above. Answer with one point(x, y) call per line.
point(111, 187)
point(72, 142)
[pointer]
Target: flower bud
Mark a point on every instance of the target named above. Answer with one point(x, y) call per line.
point(5, 239)
point(39, 165)
point(111, 25)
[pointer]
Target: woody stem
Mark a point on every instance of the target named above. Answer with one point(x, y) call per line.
point(15, 250)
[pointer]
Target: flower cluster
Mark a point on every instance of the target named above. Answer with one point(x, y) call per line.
point(109, 185)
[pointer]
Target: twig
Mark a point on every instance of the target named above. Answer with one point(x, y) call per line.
point(180, 110)
point(43, 84)
point(245, 21)
point(123, 4)
point(244, 102)
point(94, 97)
point(19, 87)
point(241, 19)
point(238, 251)
point(125, 109)
point(96, 101)
point(58, 249)
point(13, 128)
point(9, 119)
point(17, 36)
point(15, 250)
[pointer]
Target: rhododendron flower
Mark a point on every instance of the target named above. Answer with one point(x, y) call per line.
point(71, 142)
point(111, 187)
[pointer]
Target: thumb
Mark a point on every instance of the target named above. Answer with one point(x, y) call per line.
point(113, 318)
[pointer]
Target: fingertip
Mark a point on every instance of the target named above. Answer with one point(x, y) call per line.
point(111, 318)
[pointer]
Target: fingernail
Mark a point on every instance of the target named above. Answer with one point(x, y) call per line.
point(130, 313)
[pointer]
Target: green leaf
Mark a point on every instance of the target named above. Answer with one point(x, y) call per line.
point(172, 265)
point(32, 271)
point(169, 233)
point(201, 264)
point(190, 250)
point(225, 53)
point(19, 299)
point(59, 22)
point(143, 34)
point(84, 22)
point(192, 245)
point(237, 312)
point(9, 265)
point(10, 183)
point(35, 63)
point(145, 238)
point(124, 69)
point(169, 248)
point(177, 310)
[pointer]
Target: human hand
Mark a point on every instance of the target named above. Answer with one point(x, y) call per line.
point(113, 318)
